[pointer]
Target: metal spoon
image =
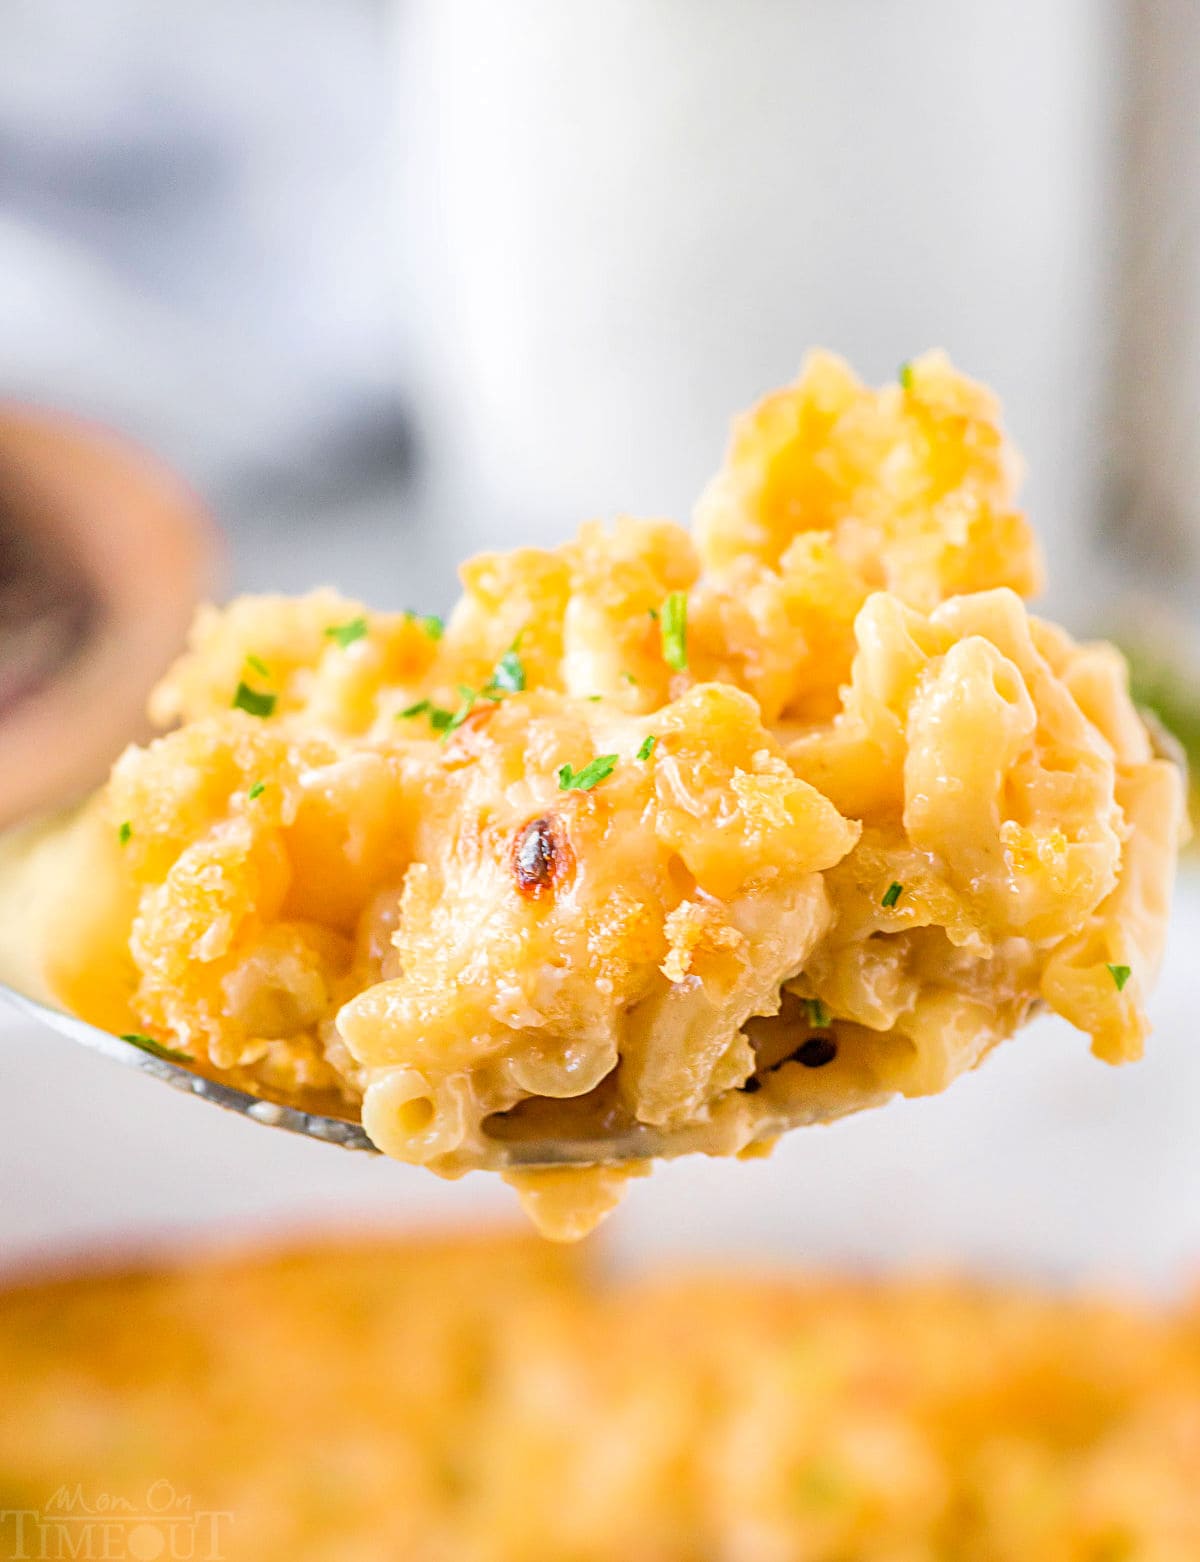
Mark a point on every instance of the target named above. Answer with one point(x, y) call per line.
point(509, 1149)
point(274, 1114)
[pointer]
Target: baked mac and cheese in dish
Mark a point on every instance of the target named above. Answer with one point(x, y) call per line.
point(673, 839)
point(496, 1401)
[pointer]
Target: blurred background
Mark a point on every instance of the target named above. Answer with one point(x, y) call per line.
point(388, 283)
point(391, 281)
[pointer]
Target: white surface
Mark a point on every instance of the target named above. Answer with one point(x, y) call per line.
point(1043, 1163)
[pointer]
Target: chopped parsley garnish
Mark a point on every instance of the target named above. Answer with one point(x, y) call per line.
point(429, 622)
point(154, 1048)
point(894, 892)
point(818, 1014)
point(347, 633)
point(1120, 975)
point(258, 666)
point(252, 702)
point(629, 678)
point(441, 719)
point(447, 722)
point(674, 630)
point(904, 375)
point(509, 673)
point(647, 747)
point(653, 612)
point(124, 833)
point(257, 790)
point(595, 771)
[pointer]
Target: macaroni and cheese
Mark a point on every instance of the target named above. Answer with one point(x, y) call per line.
point(489, 1402)
point(693, 836)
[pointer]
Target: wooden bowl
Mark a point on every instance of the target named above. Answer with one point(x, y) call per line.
point(104, 554)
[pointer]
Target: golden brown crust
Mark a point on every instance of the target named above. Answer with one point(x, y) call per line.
point(488, 1400)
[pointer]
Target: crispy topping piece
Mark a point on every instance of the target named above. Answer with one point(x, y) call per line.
point(816, 1052)
point(539, 855)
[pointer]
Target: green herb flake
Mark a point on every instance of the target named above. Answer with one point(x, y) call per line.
point(818, 1014)
point(429, 622)
point(346, 634)
point(257, 790)
point(440, 718)
point(256, 664)
point(653, 612)
point(647, 747)
point(905, 375)
point(410, 711)
point(629, 678)
point(252, 701)
point(509, 673)
point(454, 719)
point(125, 832)
point(154, 1048)
point(1120, 975)
point(674, 630)
point(595, 771)
point(894, 892)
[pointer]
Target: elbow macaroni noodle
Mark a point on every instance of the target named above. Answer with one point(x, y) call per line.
point(886, 815)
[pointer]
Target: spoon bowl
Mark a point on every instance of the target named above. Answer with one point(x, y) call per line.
point(317, 1118)
point(291, 1117)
